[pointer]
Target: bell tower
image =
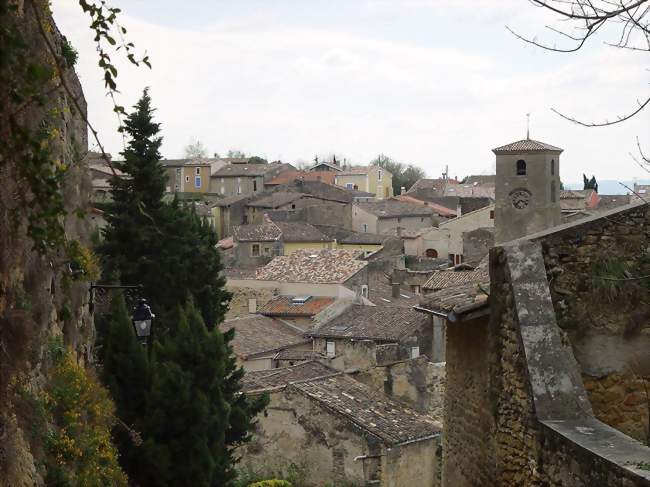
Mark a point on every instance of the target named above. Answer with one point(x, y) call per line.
point(527, 189)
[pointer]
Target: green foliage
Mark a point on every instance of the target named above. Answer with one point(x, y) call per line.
point(69, 53)
point(590, 183)
point(257, 160)
point(150, 242)
point(74, 418)
point(404, 176)
point(296, 474)
point(271, 483)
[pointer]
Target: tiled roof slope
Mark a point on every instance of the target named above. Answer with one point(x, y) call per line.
point(448, 278)
point(383, 323)
point(320, 190)
point(488, 179)
point(262, 232)
point(369, 409)
point(301, 232)
point(457, 299)
point(242, 170)
point(438, 209)
point(256, 334)
point(290, 176)
point(284, 306)
point(394, 208)
point(435, 187)
point(281, 377)
point(526, 145)
point(188, 162)
point(344, 236)
point(275, 200)
point(313, 266)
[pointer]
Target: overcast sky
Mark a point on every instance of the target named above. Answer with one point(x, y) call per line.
point(428, 82)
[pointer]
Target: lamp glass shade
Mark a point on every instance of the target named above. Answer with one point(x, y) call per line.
point(142, 328)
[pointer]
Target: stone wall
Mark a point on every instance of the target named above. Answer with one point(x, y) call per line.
point(605, 316)
point(416, 382)
point(238, 305)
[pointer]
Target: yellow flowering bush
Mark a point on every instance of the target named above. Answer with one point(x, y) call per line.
point(80, 415)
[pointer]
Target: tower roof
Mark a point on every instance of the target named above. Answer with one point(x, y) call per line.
point(526, 145)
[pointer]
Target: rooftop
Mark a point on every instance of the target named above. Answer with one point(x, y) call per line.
point(301, 232)
point(290, 176)
point(369, 409)
point(313, 266)
point(256, 334)
point(457, 299)
point(261, 380)
point(276, 199)
point(231, 170)
point(188, 162)
point(439, 210)
point(231, 200)
point(394, 208)
point(434, 187)
point(344, 236)
point(381, 294)
point(382, 323)
point(287, 306)
point(451, 277)
point(526, 145)
point(262, 232)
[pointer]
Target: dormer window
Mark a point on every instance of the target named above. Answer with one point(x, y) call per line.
point(521, 167)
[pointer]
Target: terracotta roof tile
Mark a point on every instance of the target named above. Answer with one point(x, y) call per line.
point(315, 266)
point(457, 299)
point(526, 145)
point(394, 208)
point(301, 232)
point(275, 200)
point(261, 380)
point(369, 409)
point(262, 232)
point(256, 334)
point(285, 306)
point(382, 323)
point(450, 277)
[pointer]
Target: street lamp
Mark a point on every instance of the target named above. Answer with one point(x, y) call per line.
point(143, 321)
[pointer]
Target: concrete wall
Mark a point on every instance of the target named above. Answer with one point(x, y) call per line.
point(239, 302)
point(362, 221)
point(542, 212)
point(390, 226)
point(477, 244)
point(244, 253)
point(411, 464)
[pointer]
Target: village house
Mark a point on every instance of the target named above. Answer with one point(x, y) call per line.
point(100, 174)
point(342, 431)
point(277, 200)
point(259, 338)
point(370, 179)
point(189, 175)
point(391, 217)
point(227, 213)
point(288, 177)
point(244, 179)
point(349, 239)
point(302, 311)
point(366, 336)
point(446, 240)
point(324, 166)
point(335, 273)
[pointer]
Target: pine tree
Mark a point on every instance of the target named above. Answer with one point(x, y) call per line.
point(195, 410)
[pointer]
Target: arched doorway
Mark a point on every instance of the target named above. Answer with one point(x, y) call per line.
point(432, 253)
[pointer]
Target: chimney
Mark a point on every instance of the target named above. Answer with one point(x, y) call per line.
point(252, 305)
point(396, 290)
point(402, 190)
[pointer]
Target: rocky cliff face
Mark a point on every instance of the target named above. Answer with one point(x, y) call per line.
point(40, 298)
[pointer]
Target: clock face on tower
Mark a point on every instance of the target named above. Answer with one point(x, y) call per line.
point(520, 198)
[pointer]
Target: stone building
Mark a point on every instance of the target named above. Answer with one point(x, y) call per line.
point(527, 188)
point(339, 431)
point(244, 179)
point(391, 217)
point(302, 311)
point(370, 179)
point(546, 377)
point(365, 336)
point(190, 175)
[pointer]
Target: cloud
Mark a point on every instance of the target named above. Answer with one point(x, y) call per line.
point(429, 82)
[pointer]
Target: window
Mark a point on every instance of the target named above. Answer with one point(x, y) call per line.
point(379, 175)
point(349, 185)
point(364, 291)
point(187, 179)
point(330, 348)
point(421, 219)
point(521, 167)
point(238, 185)
point(552, 167)
point(197, 181)
point(267, 251)
point(399, 219)
point(432, 253)
point(255, 250)
point(254, 184)
point(491, 214)
point(198, 171)
point(415, 352)
point(553, 193)
point(365, 228)
point(452, 258)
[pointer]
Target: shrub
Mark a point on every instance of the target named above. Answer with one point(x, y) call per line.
point(271, 483)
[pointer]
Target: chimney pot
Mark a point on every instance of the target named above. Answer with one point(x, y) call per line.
point(252, 305)
point(395, 290)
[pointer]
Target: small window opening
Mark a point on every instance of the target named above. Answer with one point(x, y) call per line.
point(521, 167)
point(552, 167)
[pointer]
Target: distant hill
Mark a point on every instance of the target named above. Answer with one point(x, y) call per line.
point(610, 186)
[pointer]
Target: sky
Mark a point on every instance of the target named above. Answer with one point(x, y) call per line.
point(433, 83)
